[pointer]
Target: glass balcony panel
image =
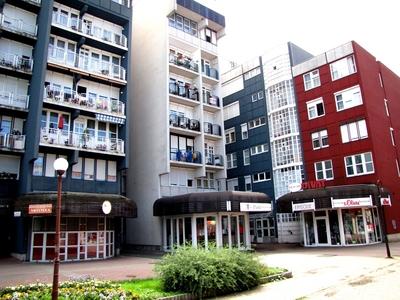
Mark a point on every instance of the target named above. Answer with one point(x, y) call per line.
point(19, 63)
point(17, 25)
point(12, 141)
point(12, 100)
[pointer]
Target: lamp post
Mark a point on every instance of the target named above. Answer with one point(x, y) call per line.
point(60, 165)
point(382, 212)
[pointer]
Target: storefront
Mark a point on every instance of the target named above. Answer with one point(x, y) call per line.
point(204, 219)
point(86, 231)
point(337, 216)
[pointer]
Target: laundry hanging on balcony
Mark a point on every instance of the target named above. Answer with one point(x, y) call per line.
point(110, 119)
point(60, 122)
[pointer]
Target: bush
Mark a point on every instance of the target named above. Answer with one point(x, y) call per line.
point(79, 290)
point(206, 273)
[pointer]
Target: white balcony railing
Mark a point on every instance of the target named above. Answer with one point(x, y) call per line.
point(16, 62)
point(83, 141)
point(37, 2)
point(78, 25)
point(12, 141)
point(14, 101)
point(17, 25)
point(86, 63)
point(123, 2)
point(85, 102)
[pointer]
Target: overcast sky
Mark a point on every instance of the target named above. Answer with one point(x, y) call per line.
point(252, 26)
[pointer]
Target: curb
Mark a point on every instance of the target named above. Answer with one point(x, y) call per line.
point(270, 278)
point(179, 297)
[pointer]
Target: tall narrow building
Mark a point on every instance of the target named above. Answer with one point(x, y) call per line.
point(63, 69)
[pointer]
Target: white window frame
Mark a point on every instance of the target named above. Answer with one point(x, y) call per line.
point(247, 180)
point(348, 99)
point(231, 160)
point(312, 105)
point(324, 170)
point(343, 67)
point(392, 136)
point(354, 131)
point(234, 182)
point(232, 110)
point(363, 164)
point(229, 138)
point(258, 149)
point(260, 95)
point(245, 131)
point(313, 81)
point(320, 136)
point(258, 122)
point(387, 107)
point(261, 177)
point(254, 97)
point(246, 157)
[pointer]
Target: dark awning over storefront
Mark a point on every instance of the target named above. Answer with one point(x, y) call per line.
point(82, 204)
point(323, 196)
point(206, 202)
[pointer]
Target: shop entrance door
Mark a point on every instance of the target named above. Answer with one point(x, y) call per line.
point(259, 231)
point(322, 230)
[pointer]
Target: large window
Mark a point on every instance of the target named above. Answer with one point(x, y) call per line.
point(246, 157)
point(343, 67)
point(359, 164)
point(247, 183)
point(259, 149)
point(263, 176)
point(233, 184)
point(257, 122)
point(182, 23)
point(348, 98)
point(354, 131)
point(315, 108)
point(323, 170)
point(311, 80)
point(231, 110)
point(320, 139)
point(231, 160)
point(38, 165)
point(245, 132)
point(230, 136)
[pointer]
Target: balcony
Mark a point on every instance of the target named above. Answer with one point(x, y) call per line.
point(100, 34)
point(83, 102)
point(15, 62)
point(122, 2)
point(181, 124)
point(213, 131)
point(216, 160)
point(35, 2)
point(208, 50)
point(17, 26)
point(86, 64)
point(81, 141)
point(210, 75)
point(183, 66)
point(183, 94)
point(12, 142)
point(211, 102)
point(10, 100)
point(186, 158)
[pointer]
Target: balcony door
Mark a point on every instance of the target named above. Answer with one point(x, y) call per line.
point(84, 59)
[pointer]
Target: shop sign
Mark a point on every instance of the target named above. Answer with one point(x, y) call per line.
point(313, 184)
point(303, 206)
point(294, 187)
point(386, 201)
point(351, 202)
point(39, 209)
point(255, 206)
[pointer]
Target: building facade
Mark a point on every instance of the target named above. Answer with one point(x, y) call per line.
point(64, 93)
point(348, 108)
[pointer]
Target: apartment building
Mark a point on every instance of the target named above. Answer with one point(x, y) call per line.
point(348, 111)
point(64, 93)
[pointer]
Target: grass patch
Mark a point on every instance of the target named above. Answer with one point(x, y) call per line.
point(267, 271)
point(146, 289)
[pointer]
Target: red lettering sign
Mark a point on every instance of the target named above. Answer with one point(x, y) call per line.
point(313, 184)
point(351, 202)
point(39, 209)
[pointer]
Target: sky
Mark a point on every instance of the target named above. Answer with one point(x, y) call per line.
point(253, 26)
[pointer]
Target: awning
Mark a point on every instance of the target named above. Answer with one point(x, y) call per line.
point(323, 196)
point(207, 202)
point(82, 204)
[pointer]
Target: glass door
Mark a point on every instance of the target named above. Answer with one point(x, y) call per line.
point(309, 229)
point(322, 233)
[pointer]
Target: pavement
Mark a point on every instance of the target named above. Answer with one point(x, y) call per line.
point(318, 273)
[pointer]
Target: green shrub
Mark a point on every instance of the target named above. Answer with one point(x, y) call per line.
point(210, 272)
point(77, 290)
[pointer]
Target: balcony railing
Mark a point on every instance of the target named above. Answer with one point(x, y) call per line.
point(210, 99)
point(184, 91)
point(184, 61)
point(210, 128)
point(36, 2)
point(14, 101)
point(183, 122)
point(214, 160)
point(12, 141)
point(17, 25)
point(82, 101)
point(78, 25)
point(86, 63)
point(123, 2)
point(16, 62)
point(210, 72)
point(59, 137)
point(185, 156)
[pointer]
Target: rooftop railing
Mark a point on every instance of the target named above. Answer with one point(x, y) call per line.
point(17, 25)
point(14, 101)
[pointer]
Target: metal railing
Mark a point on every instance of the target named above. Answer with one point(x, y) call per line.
point(184, 61)
point(37, 2)
point(211, 128)
point(214, 160)
point(123, 2)
point(84, 101)
point(86, 63)
point(12, 100)
point(12, 141)
point(184, 91)
point(17, 25)
point(210, 99)
point(185, 156)
point(85, 141)
point(80, 26)
point(184, 122)
point(16, 62)
point(210, 72)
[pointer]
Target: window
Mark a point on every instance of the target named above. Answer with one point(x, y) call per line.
point(208, 182)
point(232, 184)
point(231, 110)
point(38, 165)
point(49, 170)
point(343, 67)
point(100, 170)
point(259, 149)
point(354, 131)
point(257, 96)
point(348, 98)
point(231, 160)
point(77, 169)
point(184, 24)
point(246, 157)
point(323, 170)
point(245, 133)
point(257, 122)
point(112, 171)
point(252, 73)
point(260, 95)
point(254, 97)
point(263, 176)
point(89, 169)
point(359, 164)
point(320, 139)
point(387, 107)
point(247, 183)
point(315, 108)
point(230, 136)
point(311, 80)
point(392, 136)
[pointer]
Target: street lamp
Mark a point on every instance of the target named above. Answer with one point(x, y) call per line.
point(60, 165)
point(382, 212)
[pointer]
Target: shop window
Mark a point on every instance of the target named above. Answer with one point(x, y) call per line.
point(353, 226)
